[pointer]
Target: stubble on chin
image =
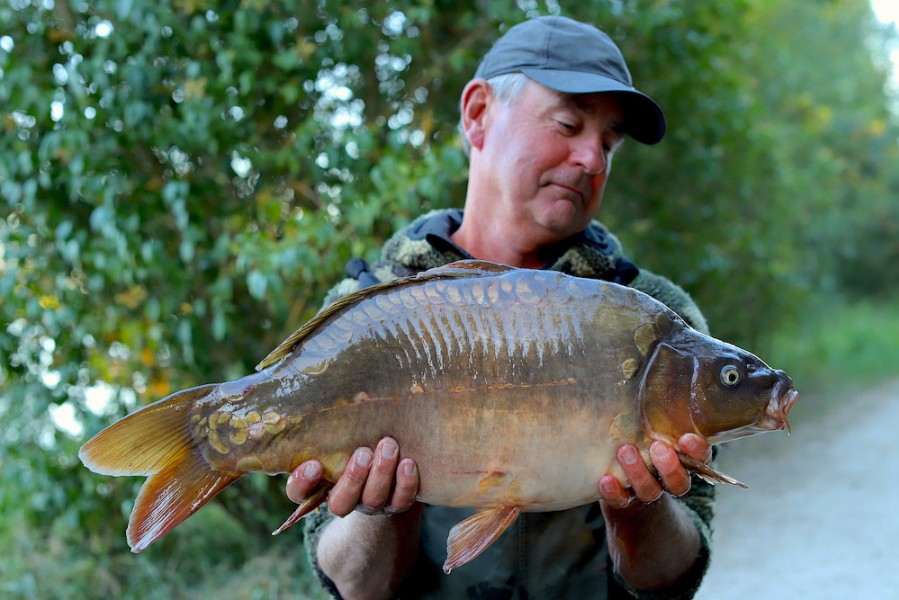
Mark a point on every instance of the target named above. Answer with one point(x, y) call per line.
point(566, 211)
point(559, 219)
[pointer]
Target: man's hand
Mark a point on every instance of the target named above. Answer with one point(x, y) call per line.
point(645, 487)
point(374, 481)
point(652, 540)
point(366, 557)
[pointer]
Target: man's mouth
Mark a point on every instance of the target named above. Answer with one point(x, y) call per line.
point(574, 189)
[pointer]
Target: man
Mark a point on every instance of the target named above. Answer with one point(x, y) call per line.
point(545, 113)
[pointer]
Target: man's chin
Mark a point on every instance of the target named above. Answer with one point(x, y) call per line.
point(564, 218)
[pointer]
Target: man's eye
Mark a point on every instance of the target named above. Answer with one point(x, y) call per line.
point(566, 126)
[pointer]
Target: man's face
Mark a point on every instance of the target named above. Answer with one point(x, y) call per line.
point(548, 156)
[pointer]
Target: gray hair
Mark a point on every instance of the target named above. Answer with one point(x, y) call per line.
point(506, 89)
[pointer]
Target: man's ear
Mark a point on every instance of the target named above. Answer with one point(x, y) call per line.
point(476, 98)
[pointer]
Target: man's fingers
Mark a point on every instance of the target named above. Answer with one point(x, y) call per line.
point(696, 446)
point(614, 494)
point(303, 480)
point(644, 485)
point(380, 480)
point(372, 481)
point(406, 485)
point(672, 473)
point(348, 490)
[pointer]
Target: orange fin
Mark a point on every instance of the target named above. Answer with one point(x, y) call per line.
point(707, 473)
point(306, 507)
point(170, 496)
point(475, 534)
point(156, 442)
point(147, 440)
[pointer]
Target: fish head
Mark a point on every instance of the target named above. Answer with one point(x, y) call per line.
point(735, 394)
point(714, 389)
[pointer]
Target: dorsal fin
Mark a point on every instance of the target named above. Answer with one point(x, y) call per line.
point(483, 267)
point(462, 268)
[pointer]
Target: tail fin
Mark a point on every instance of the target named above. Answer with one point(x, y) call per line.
point(156, 441)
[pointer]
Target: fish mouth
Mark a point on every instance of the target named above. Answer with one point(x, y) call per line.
point(775, 415)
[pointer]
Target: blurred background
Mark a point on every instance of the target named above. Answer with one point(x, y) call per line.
point(180, 182)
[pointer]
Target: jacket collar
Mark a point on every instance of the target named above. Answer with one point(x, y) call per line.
point(426, 243)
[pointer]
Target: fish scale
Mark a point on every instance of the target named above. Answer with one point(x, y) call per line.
point(511, 389)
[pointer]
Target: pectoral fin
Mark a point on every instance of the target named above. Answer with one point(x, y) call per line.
point(473, 535)
point(306, 507)
point(707, 473)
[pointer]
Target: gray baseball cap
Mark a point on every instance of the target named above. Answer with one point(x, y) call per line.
point(574, 58)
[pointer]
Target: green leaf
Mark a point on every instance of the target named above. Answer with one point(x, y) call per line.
point(257, 283)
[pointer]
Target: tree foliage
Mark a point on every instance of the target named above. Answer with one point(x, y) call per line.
point(180, 183)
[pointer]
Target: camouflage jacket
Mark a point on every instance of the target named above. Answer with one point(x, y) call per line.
point(542, 555)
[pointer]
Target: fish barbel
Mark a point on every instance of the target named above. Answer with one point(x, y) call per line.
point(511, 388)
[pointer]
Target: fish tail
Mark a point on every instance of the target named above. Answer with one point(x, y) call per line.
point(156, 442)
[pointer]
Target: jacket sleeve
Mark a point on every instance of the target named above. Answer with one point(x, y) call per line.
point(313, 526)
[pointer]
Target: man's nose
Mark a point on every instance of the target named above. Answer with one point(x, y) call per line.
point(591, 156)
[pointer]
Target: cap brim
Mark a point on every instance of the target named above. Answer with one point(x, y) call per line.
point(644, 119)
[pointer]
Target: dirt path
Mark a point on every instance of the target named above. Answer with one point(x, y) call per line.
point(821, 516)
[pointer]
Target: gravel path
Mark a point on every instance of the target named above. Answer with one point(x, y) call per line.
point(820, 519)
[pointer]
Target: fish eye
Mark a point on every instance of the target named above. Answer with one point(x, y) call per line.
point(730, 376)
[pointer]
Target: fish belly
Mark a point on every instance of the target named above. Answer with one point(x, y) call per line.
point(515, 447)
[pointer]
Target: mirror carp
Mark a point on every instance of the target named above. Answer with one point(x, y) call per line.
point(511, 388)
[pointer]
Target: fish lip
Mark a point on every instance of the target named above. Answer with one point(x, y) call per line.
point(791, 397)
point(775, 415)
